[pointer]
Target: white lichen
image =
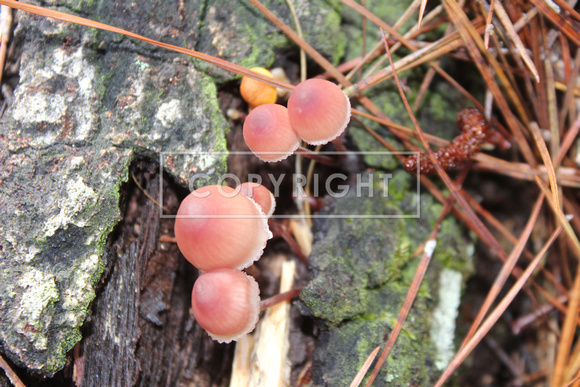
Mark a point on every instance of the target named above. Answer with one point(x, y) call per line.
point(444, 316)
point(79, 196)
point(39, 292)
point(169, 112)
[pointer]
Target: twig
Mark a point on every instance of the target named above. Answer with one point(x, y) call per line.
point(10, 374)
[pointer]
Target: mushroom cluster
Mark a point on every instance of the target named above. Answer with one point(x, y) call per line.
point(318, 112)
point(222, 230)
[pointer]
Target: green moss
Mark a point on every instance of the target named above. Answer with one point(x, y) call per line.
point(362, 272)
point(64, 346)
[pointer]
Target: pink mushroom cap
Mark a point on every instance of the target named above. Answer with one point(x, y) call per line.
point(226, 303)
point(319, 111)
point(217, 227)
point(261, 195)
point(268, 133)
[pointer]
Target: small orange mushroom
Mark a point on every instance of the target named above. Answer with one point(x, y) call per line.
point(257, 93)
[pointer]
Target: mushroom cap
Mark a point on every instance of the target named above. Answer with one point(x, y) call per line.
point(319, 111)
point(268, 133)
point(217, 227)
point(261, 195)
point(226, 303)
point(257, 93)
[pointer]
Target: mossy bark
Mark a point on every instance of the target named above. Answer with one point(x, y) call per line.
point(87, 105)
point(362, 270)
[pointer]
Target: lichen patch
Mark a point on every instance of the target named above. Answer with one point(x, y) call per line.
point(444, 316)
point(79, 196)
point(169, 112)
point(39, 293)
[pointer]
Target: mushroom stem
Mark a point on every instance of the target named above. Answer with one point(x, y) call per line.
point(282, 297)
point(315, 156)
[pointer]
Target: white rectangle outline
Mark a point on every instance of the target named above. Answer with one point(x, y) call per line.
point(296, 216)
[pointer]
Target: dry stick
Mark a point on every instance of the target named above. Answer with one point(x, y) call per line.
point(566, 176)
point(472, 42)
point(10, 374)
point(421, 12)
point(509, 46)
point(568, 8)
point(196, 54)
point(428, 77)
point(497, 312)
point(521, 67)
point(365, 367)
point(534, 42)
point(430, 52)
point(574, 364)
point(281, 297)
point(506, 269)
point(441, 72)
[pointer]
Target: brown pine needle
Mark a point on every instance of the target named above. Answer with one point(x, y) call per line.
point(506, 269)
point(322, 61)
point(488, 25)
point(541, 144)
point(10, 374)
point(430, 245)
point(497, 312)
point(365, 367)
point(147, 194)
point(510, 30)
point(564, 23)
point(196, 54)
point(472, 42)
point(421, 12)
point(568, 331)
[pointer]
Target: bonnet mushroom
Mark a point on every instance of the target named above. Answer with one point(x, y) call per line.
point(261, 195)
point(255, 92)
point(319, 111)
point(226, 303)
point(213, 215)
point(268, 133)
